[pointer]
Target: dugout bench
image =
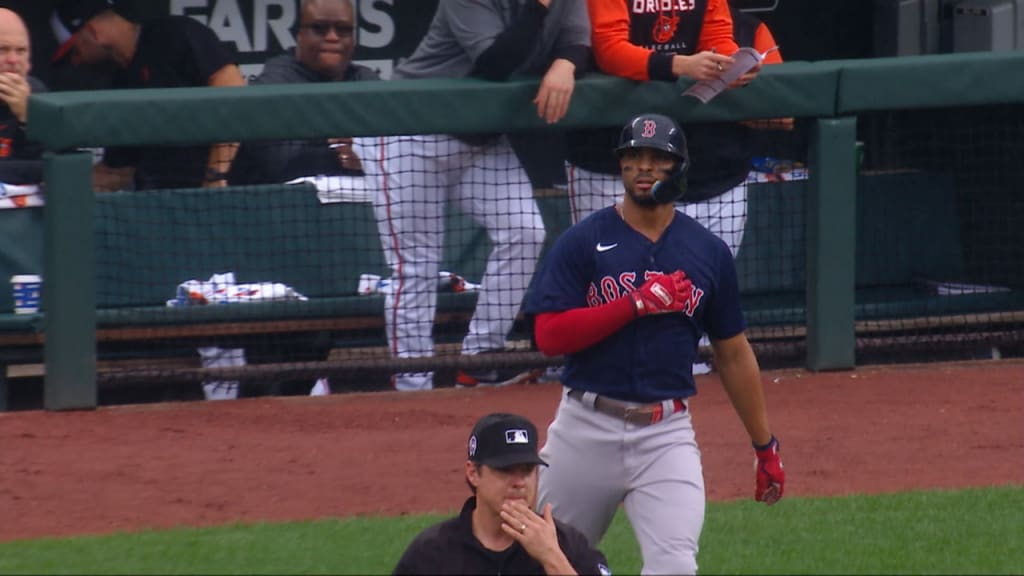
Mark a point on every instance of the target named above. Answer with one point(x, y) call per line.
point(149, 242)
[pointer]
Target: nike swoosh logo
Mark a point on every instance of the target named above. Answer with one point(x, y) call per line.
point(605, 247)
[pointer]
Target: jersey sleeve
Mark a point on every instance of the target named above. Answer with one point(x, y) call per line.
point(716, 31)
point(562, 281)
point(208, 52)
point(574, 37)
point(725, 316)
point(614, 53)
point(476, 24)
point(583, 557)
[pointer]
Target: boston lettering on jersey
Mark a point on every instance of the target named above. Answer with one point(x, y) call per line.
point(610, 288)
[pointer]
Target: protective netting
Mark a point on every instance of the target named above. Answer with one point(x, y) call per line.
point(284, 277)
point(292, 272)
point(940, 262)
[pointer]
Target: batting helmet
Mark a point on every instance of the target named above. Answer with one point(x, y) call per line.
point(661, 133)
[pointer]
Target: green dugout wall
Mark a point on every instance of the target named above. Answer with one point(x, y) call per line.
point(832, 94)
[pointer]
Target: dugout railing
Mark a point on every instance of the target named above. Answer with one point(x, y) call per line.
point(822, 302)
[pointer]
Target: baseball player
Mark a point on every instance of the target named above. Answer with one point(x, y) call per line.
point(416, 175)
point(663, 42)
point(625, 295)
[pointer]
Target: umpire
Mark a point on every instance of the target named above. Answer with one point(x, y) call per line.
point(498, 531)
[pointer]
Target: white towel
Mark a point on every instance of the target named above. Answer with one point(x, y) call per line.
point(20, 196)
point(222, 289)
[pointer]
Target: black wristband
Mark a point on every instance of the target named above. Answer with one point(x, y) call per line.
point(212, 175)
point(766, 446)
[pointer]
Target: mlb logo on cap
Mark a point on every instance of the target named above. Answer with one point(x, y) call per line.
point(503, 440)
point(517, 437)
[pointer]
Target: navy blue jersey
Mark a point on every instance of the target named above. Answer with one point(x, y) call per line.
point(651, 359)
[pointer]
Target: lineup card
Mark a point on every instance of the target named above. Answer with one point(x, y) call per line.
point(746, 59)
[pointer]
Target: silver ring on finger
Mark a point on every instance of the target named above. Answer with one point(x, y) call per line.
point(522, 528)
point(719, 66)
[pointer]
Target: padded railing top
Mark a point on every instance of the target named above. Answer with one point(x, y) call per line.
point(803, 89)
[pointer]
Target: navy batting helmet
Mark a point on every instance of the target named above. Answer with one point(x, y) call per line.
point(661, 133)
point(654, 131)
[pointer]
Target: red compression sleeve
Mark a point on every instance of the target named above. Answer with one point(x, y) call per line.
point(580, 328)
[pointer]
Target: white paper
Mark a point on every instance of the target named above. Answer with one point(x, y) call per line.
point(745, 60)
point(961, 288)
point(334, 189)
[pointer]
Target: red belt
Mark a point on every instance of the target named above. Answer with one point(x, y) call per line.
point(643, 415)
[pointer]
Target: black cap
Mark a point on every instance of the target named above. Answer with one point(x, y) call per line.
point(503, 440)
point(74, 14)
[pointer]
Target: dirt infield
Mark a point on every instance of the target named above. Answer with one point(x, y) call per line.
point(193, 464)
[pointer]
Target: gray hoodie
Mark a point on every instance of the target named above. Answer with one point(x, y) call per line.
point(462, 30)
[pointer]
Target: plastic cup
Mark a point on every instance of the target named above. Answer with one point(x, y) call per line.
point(27, 289)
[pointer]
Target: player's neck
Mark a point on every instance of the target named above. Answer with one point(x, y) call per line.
point(651, 221)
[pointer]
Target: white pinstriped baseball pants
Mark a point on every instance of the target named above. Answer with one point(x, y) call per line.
point(724, 216)
point(415, 176)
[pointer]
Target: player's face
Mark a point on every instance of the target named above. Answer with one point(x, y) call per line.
point(14, 47)
point(496, 485)
point(326, 37)
point(641, 168)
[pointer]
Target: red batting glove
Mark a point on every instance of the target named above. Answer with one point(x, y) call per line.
point(663, 294)
point(771, 477)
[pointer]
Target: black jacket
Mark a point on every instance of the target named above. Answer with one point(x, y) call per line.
point(20, 160)
point(275, 162)
point(450, 548)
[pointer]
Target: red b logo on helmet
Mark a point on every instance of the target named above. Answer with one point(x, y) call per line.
point(650, 128)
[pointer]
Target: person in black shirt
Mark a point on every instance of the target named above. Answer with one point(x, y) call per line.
point(498, 531)
point(19, 159)
point(167, 52)
point(323, 52)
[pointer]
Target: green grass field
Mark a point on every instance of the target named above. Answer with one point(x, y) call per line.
point(978, 531)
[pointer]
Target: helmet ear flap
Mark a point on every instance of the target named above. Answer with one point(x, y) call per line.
point(672, 188)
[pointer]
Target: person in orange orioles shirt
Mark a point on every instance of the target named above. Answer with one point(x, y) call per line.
point(663, 40)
